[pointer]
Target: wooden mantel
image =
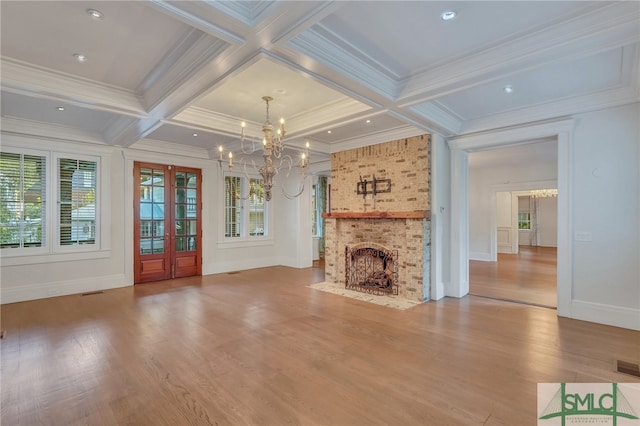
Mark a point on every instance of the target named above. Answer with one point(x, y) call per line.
point(413, 214)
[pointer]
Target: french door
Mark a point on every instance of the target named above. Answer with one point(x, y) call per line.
point(167, 222)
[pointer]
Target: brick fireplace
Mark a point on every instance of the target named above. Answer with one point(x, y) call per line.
point(397, 220)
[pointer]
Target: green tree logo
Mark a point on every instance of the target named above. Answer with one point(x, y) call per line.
point(565, 404)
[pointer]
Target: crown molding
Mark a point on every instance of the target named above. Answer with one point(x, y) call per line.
point(38, 129)
point(215, 122)
point(27, 79)
point(193, 53)
point(436, 114)
point(376, 138)
point(345, 60)
point(306, 14)
point(618, 96)
point(168, 148)
point(611, 26)
point(179, 10)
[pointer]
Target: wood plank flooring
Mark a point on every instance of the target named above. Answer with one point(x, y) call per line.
point(260, 348)
point(528, 277)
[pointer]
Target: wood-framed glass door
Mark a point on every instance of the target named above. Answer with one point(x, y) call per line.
point(167, 222)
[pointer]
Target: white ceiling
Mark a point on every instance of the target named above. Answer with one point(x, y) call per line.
point(158, 72)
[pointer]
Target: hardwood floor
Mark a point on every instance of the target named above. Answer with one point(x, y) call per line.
point(528, 277)
point(258, 347)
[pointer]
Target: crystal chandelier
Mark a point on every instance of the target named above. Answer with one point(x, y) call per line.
point(544, 193)
point(272, 152)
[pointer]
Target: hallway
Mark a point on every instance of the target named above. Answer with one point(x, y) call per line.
point(527, 277)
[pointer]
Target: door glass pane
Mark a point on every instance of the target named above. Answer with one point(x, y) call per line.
point(151, 205)
point(158, 177)
point(158, 245)
point(145, 228)
point(158, 228)
point(145, 246)
point(180, 179)
point(180, 246)
point(180, 227)
point(192, 227)
point(181, 211)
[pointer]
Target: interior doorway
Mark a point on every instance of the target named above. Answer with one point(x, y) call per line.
point(524, 269)
point(167, 222)
point(561, 130)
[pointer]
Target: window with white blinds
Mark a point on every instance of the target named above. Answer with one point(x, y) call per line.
point(232, 206)
point(76, 201)
point(245, 209)
point(23, 195)
point(28, 221)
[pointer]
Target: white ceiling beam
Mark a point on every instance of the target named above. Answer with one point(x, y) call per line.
point(49, 131)
point(29, 80)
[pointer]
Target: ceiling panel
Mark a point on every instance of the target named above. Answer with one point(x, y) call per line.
point(411, 36)
point(553, 81)
point(293, 93)
point(122, 48)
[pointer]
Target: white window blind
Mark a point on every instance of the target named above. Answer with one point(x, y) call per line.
point(76, 201)
point(23, 195)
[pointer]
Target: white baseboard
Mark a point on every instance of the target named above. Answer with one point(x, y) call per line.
point(62, 288)
point(476, 255)
point(437, 291)
point(456, 291)
point(606, 314)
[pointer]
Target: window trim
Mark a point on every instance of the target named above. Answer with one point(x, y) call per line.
point(75, 248)
point(244, 239)
point(48, 253)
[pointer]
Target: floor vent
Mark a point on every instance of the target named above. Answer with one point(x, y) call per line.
point(628, 368)
point(92, 293)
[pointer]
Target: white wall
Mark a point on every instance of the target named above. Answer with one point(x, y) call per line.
point(606, 207)
point(440, 216)
point(34, 277)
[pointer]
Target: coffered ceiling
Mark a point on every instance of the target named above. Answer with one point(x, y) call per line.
point(343, 74)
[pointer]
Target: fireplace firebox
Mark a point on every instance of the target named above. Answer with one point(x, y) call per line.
point(371, 268)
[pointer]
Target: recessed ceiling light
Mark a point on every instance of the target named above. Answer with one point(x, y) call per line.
point(80, 57)
point(60, 108)
point(95, 14)
point(368, 121)
point(329, 131)
point(448, 15)
point(195, 135)
point(508, 89)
